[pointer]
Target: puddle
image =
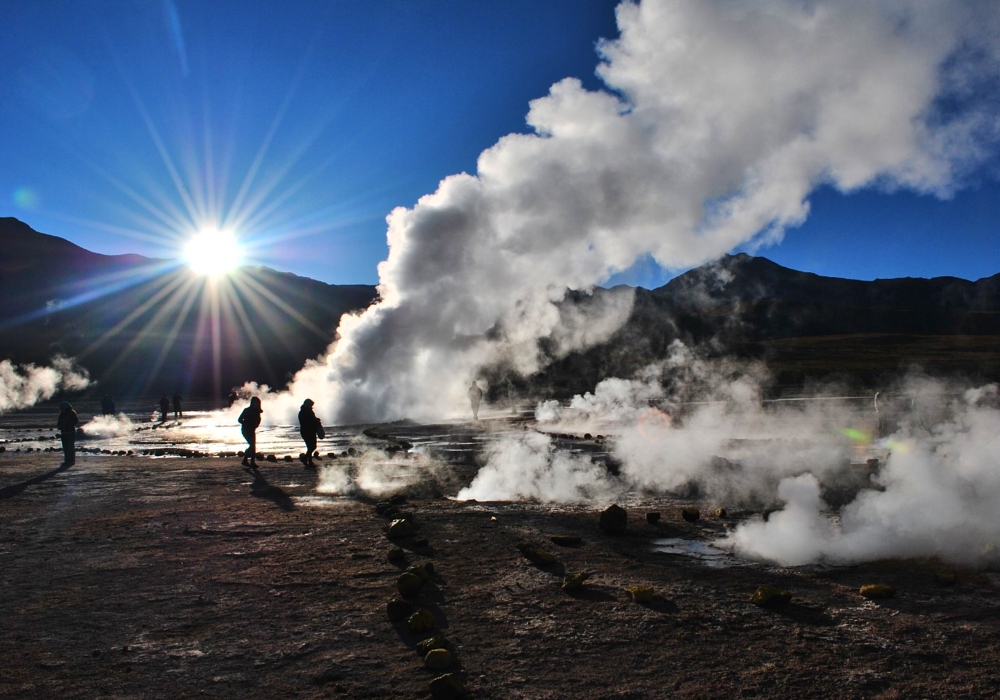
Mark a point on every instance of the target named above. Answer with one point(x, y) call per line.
point(705, 553)
point(319, 501)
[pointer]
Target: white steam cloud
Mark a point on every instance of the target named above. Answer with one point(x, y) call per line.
point(934, 493)
point(718, 120)
point(22, 386)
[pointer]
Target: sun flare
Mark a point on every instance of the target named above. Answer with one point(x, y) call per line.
point(213, 252)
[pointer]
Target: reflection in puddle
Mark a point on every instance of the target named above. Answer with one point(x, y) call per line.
point(319, 501)
point(705, 553)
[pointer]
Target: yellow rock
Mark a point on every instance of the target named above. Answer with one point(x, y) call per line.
point(574, 581)
point(421, 621)
point(438, 659)
point(877, 590)
point(641, 594)
point(770, 596)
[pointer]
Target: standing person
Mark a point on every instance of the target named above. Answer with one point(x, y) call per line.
point(164, 407)
point(68, 420)
point(475, 397)
point(311, 429)
point(249, 420)
point(177, 406)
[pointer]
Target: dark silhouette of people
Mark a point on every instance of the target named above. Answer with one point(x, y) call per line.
point(164, 407)
point(311, 430)
point(177, 406)
point(249, 421)
point(106, 405)
point(111, 405)
point(67, 422)
point(233, 398)
point(475, 398)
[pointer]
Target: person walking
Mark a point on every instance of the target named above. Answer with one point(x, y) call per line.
point(475, 397)
point(67, 422)
point(164, 407)
point(311, 430)
point(249, 421)
point(177, 406)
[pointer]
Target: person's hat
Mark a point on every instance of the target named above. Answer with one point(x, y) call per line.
point(307, 402)
point(64, 405)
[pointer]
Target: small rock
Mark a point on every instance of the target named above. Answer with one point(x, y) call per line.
point(409, 584)
point(400, 528)
point(653, 517)
point(398, 609)
point(877, 590)
point(396, 554)
point(945, 578)
point(534, 554)
point(272, 458)
point(641, 594)
point(421, 621)
point(721, 513)
point(690, 514)
point(572, 582)
point(447, 687)
point(614, 520)
point(438, 659)
point(770, 596)
point(435, 642)
point(420, 571)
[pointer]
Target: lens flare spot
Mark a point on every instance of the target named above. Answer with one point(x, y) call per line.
point(213, 252)
point(859, 436)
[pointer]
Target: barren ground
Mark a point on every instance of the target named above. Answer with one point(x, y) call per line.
point(130, 577)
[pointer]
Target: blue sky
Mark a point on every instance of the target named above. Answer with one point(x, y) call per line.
point(128, 124)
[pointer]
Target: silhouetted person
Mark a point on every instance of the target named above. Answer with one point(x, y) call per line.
point(68, 420)
point(233, 398)
point(249, 420)
point(177, 406)
point(164, 407)
point(111, 405)
point(105, 402)
point(311, 430)
point(475, 397)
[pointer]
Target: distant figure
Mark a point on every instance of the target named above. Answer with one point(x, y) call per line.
point(105, 405)
point(475, 398)
point(233, 397)
point(249, 420)
point(177, 406)
point(311, 429)
point(878, 418)
point(68, 420)
point(111, 405)
point(164, 407)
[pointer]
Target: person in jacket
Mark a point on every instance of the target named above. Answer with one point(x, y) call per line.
point(164, 407)
point(311, 430)
point(67, 422)
point(249, 421)
point(177, 406)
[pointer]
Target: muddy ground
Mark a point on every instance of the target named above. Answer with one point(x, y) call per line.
point(132, 577)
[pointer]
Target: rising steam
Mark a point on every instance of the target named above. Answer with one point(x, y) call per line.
point(25, 385)
point(718, 120)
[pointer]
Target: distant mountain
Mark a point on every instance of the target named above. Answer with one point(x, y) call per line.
point(806, 327)
point(147, 326)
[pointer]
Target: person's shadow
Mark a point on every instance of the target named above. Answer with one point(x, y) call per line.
point(262, 489)
point(16, 489)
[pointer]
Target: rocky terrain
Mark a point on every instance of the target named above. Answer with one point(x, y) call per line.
point(135, 577)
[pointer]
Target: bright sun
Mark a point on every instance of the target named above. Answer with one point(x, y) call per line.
point(213, 252)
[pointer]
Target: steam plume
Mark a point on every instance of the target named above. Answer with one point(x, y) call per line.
point(25, 385)
point(718, 120)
